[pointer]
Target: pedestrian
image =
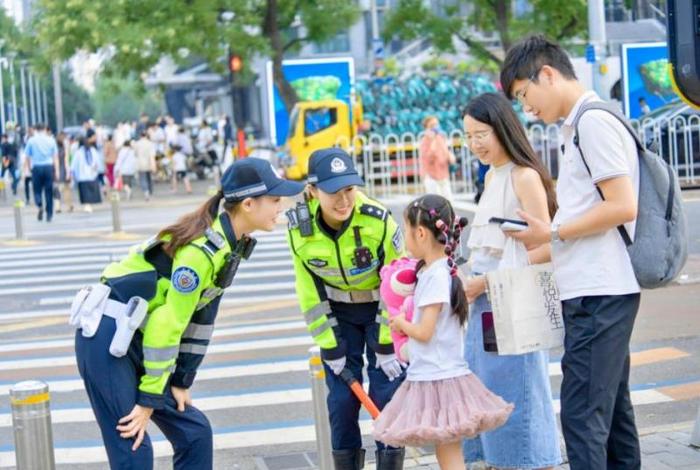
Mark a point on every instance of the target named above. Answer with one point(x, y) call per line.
point(441, 401)
point(598, 288)
point(9, 158)
point(339, 241)
point(176, 280)
point(26, 172)
point(435, 159)
point(180, 170)
point(110, 154)
point(517, 180)
point(85, 170)
point(126, 167)
point(146, 158)
point(42, 157)
point(63, 181)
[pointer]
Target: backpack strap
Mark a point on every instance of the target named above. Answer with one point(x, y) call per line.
point(610, 108)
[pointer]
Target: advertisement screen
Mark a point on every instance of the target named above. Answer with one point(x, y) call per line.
point(646, 81)
point(313, 80)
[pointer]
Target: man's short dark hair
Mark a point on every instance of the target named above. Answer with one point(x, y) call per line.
point(525, 59)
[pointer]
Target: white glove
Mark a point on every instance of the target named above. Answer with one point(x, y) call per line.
point(336, 365)
point(390, 365)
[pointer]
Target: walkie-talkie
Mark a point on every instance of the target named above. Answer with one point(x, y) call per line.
point(306, 227)
point(244, 248)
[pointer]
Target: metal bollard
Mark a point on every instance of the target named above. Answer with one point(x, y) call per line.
point(19, 223)
point(319, 393)
point(31, 422)
point(116, 215)
point(695, 437)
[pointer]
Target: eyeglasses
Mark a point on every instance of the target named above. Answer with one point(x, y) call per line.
point(520, 95)
point(478, 136)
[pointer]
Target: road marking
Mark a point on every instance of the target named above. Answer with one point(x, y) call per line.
point(682, 392)
point(218, 332)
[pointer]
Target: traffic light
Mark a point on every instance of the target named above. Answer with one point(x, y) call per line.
point(684, 49)
point(235, 63)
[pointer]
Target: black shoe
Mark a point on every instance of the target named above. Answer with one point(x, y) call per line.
point(40, 215)
point(352, 459)
point(390, 459)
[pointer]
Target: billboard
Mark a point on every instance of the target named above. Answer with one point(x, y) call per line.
point(313, 79)
point(645, 77)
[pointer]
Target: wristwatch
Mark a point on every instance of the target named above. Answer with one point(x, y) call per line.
point(555, 233)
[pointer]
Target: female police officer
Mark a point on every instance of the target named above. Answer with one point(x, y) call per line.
point(340, 240)
point(144, 330)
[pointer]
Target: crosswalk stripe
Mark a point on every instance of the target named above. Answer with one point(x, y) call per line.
point(257, 255)
point(77, 286)
point(15, 276)
point(203, 374)
point(262, 237)
point(106, 251)
point(230, 347)
point(219, 332)
point(226, 440)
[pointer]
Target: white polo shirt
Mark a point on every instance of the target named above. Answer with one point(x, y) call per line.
point(598, 264)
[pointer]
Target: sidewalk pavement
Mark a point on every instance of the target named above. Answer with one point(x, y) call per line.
point(663, 448)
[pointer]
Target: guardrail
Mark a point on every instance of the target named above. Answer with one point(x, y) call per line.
point(390, 164)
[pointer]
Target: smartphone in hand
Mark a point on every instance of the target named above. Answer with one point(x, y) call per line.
point(509, 225)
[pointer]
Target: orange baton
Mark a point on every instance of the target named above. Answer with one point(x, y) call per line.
point(360, 393)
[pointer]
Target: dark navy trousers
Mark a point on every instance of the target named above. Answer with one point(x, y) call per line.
point(112, 386)
point(358, 329)
point(596, 411)
point(42, 180)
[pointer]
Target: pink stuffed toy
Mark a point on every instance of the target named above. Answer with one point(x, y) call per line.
point(396, 289)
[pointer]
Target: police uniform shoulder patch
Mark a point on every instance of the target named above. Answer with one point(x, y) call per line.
point(372, 211)
point(397, 240)
point(185, 280)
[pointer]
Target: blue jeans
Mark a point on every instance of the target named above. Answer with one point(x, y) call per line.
point(42, 181)
point(112, 386)
point(358, 328)
point(596, 411)
point(11, 168)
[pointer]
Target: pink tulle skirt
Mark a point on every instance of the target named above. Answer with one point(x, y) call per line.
point(441, 411)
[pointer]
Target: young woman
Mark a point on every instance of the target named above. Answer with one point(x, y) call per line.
point(339, 243)
point(516, 180)
point(144, 330)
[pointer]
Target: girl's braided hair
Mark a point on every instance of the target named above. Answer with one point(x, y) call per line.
point(435, 213)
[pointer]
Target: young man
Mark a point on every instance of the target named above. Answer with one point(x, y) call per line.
point(599, 291)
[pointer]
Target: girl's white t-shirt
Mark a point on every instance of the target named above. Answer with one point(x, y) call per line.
point(443, 356)
point(179, 161)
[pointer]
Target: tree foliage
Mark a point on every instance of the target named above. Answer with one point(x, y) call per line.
point(135, 34)
point(558, 19)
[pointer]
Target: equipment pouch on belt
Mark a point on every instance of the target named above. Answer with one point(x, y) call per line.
point(88, 307)
point(133, 315)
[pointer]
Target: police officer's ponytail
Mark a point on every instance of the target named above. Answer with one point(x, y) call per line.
point(191, 226)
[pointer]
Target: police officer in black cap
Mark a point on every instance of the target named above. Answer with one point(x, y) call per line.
point(143, 330)
point(340, 240)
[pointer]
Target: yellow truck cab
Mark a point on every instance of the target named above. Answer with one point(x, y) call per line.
point(315, 125)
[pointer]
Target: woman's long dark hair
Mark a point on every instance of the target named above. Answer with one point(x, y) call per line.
point(435, 214)
point(495, 110)
point(193, 225)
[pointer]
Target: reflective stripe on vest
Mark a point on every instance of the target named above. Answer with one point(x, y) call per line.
point(190, 348)
point(198, 331)
point(352, 296)
point(159, 354)
point(316, 312)
point(327, 325)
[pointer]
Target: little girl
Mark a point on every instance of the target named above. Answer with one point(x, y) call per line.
point(441, 401)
